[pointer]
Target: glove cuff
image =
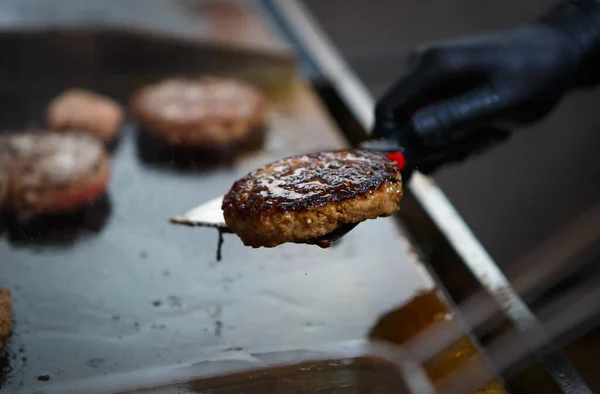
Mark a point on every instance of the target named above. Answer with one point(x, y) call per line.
point(580, 21)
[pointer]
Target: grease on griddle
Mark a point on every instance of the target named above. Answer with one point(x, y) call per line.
point(234, 349)
point(12, 363)
point(423, 311)
point(220, 245)
point(95, 363)
point(174, 301)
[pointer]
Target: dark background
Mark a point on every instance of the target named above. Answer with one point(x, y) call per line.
point(524, 192)
point(534, 200)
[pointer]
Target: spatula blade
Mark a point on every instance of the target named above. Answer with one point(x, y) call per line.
point(208, 214)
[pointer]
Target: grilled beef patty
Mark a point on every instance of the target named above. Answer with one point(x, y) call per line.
point(85, 111)
point(301, 198)
point(208, 112)
point(53, 172)
point(5, 316)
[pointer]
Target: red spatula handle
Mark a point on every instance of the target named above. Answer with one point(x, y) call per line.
point(398, 159)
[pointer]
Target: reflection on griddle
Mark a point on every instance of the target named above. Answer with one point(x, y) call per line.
point(4, 222)
point(59, 230)
point(364, 375)
point(156, 152)
point(403, 324)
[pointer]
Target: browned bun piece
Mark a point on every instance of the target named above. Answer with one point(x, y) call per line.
point(53, 172)
point(5, 317)
point(82, 110)
point(209, 113)
point(301, 198)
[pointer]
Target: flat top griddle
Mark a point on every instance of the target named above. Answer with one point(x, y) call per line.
point(118, 289)
point(116, 294)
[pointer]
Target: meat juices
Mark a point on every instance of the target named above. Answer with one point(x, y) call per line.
point(53, 172)
point(83, 110)
point(210, 112)
point(301, 198)
point(5, 317)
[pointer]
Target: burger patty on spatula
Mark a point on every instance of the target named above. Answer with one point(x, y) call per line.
point(301, 198)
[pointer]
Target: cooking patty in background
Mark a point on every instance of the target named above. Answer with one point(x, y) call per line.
point(53, 172)
point(301, 198)
point(210, 112)
point(83, 110)
point(5, 316)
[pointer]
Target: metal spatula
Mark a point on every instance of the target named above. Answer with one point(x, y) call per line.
point(209, 214)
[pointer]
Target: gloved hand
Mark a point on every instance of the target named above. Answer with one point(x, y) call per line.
point(462, 95)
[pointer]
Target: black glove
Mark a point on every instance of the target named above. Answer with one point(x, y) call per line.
point(463, 94)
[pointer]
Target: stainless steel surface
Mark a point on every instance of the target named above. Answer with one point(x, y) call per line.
point(139, 293)
point(134, 295)
point(431, 197)
point(351, 367)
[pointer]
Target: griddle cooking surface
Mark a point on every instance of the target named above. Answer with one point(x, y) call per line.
point(125, 290)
